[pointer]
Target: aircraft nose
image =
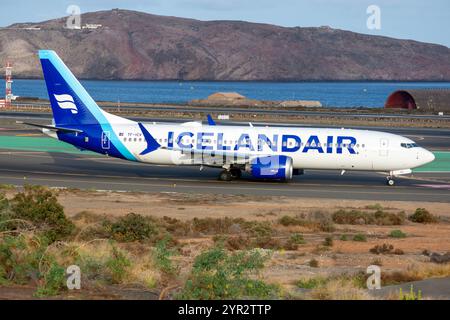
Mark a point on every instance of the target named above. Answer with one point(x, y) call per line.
point(427, 156)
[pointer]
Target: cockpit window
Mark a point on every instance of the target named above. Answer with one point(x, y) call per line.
point(409, 145)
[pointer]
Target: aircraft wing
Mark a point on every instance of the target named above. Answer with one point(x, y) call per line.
point(217, 157)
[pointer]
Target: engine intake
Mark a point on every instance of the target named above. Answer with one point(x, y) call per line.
point(271, 167)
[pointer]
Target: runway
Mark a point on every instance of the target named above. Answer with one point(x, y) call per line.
point(102, 173)
point(56, 164)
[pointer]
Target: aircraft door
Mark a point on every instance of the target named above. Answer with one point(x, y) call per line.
point(384, 147)
point(106, 142)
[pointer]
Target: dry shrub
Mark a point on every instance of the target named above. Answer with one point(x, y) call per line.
point(422, 215)
point(316, 221)
point(386, 248)
point(416, 273)
point(358, 217)
point(339, 289)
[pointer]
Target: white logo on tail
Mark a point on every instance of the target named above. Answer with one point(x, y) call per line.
point(65, 101)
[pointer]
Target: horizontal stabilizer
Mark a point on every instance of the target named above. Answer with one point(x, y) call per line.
point(53, 128)
point(210, 120)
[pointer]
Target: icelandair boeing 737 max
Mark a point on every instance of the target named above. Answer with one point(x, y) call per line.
point(264, 152)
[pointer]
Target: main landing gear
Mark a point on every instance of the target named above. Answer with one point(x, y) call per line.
point(231, 174)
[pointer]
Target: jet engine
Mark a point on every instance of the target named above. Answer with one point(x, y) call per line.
point(271, 167)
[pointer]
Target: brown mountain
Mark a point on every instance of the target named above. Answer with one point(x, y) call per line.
point(135, 45)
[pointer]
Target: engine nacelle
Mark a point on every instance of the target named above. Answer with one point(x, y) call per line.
point(271, 167)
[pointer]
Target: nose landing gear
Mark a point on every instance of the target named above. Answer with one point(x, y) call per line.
point(390, 181)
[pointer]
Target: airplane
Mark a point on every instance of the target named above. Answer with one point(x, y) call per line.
point(266, 153)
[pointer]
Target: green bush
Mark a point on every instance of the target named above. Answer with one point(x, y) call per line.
point(217, 274)
point(360, 237)
point(397, 234)
point(290, 221)
point(132, 227)
point(40, 206)
point(311, 283)
point(117, 265)
point(343, 237)
point(162, 256)
point(20, 258)
point(10, 258)
point(54, 281)
point(258, 228)
point(4, 203)
point(294, 241)
point(92, 268)
point(263, 233)
point(422, 215)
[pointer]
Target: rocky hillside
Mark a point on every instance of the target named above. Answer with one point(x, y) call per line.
point(135, 45)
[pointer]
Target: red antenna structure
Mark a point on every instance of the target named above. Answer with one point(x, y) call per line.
point(8, 82)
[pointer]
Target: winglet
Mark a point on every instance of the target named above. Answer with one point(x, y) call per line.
point(210, 120)
point(152, 144)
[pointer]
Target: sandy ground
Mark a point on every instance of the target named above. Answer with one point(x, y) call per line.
point(188, 206)
point(285, 267)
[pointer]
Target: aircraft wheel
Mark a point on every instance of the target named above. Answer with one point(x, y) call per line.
point(236, 173)
point(390, 182)
point(225, 176)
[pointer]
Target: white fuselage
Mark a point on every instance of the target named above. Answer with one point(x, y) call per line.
point(309, 148)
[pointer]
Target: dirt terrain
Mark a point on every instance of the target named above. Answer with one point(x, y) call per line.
point(344, 255)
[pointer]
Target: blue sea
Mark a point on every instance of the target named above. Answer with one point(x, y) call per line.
point(335, 94)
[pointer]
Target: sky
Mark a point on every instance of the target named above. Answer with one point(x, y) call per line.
point(426, 21)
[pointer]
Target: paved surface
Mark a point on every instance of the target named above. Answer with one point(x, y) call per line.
point(434, 289)
point(89, 171)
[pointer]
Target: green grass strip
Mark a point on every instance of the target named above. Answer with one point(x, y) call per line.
point(43, 144)
point(440, 164)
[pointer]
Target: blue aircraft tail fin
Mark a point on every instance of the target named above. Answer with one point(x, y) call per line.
point(71, 104)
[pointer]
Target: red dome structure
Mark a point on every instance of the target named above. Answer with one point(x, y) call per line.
point(434, 100)
point(401, 99)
